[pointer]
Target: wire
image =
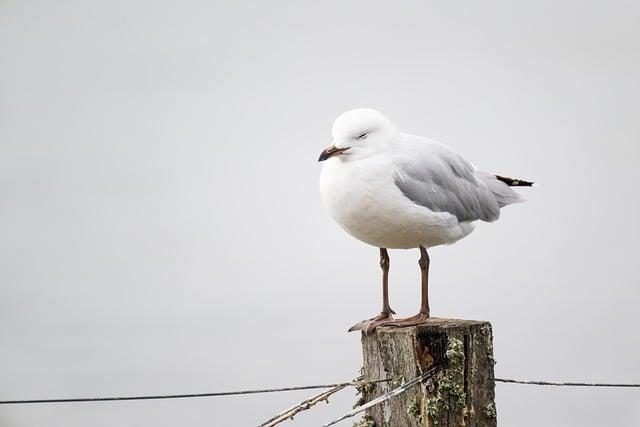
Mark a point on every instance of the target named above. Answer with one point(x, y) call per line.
point(557, 384)
point(306, 404)
point(277, 390)
point(395, 392)
point(186, 396)
point(431, 372)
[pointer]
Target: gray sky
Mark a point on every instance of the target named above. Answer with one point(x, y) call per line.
point(162, 229)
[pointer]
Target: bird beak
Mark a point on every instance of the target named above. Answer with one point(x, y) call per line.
point(331, 151)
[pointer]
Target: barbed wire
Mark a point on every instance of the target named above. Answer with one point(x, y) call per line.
point(306, 404)
point(292, 388)
point(428, 374)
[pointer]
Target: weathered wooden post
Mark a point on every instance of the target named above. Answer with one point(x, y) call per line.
point(460, 394)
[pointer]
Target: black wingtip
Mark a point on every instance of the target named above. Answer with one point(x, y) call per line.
point(511, 182)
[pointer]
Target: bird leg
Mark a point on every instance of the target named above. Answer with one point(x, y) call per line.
point(386, 313)
point(384, 265)
point(423, 314)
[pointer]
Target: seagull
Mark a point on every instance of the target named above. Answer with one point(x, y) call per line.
point(393, 190)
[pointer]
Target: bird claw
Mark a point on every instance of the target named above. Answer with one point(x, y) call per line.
point(409, 321)
point(370, 324)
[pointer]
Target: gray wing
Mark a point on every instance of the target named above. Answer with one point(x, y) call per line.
point(442, 181)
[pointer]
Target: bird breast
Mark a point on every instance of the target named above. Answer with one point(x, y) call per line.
point(351, 190)
point(362, 197)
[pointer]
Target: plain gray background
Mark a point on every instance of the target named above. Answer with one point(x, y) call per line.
point(162, 230)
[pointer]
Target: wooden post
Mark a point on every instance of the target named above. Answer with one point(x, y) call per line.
point(460, 394)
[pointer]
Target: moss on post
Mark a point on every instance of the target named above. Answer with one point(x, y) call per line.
point(461, 393)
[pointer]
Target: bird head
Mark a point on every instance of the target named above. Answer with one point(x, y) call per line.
point(359, 133)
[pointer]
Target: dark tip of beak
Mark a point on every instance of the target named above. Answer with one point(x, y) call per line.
point(330, 152)
point(324, 156)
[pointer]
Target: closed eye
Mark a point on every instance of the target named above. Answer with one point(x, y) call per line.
point(363, 136)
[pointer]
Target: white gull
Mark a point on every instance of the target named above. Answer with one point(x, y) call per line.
point(398, 191)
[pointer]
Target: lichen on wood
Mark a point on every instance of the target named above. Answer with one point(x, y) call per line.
point(415, 410)
point(361, 390)
point(365, 421)
point(490, 410)
point(461, 393)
